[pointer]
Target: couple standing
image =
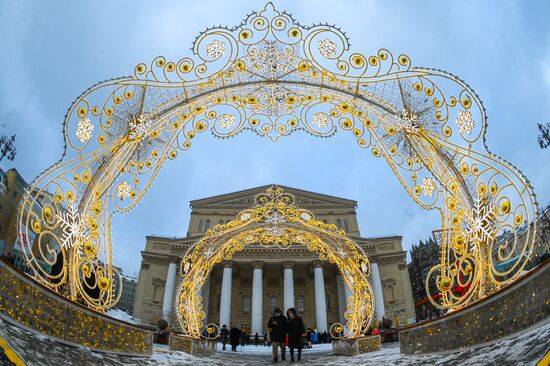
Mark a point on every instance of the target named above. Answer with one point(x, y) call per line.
point(279, 327)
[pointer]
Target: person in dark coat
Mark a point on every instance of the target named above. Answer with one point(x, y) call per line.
point(278, 328)
point(235, 336)
point(224, 335)
point(296, 331)
point(256, 339)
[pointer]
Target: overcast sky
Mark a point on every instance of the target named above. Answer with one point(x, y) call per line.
point(51, 51)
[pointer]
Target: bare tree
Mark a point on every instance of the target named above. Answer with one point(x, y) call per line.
point(544, 136)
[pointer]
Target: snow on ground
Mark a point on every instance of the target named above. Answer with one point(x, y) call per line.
point(121, 315)
point(36, 349)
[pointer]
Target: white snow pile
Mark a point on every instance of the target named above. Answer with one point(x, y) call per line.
point(121, 315)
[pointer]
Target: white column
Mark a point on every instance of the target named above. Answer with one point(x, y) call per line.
point(320, 297)
point(378, 294)
point(289, 285)
point(407, 290)
point(225, 301)
point(205, 293)
point(169, 289)
point(257, 299)
point(342, 299)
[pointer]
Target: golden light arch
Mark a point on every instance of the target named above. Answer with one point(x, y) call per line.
point(275, 221)
point(273, 76)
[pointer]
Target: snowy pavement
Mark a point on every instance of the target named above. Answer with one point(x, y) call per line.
point(37, 349)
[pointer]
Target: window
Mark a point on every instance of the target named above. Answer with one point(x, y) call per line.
point(200, 226)
point(328, 302)
point(339, 223)
point(346, 227)
point(300, 303)
point(390, 292)
point(246, 304)
point(207, 225)
point(273, 302)
point(220, 222)
point(325, 221)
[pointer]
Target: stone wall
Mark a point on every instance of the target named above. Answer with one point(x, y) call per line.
point(511, 310)
point(28, 304)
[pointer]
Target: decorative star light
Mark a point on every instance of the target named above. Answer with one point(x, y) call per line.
point(407, 121)
point(305, 216)
point(245, 216)
point(84, 130)
point(327, 48)
point(208, 252)
point(139, 126)
point(464, 122)
point(364, 267)
point(272, 60)
point(227, 120)
point(320, 119)
point(186, 267)
point(428, 186)
point(215, 49)
point(342, 253)
point(275, 219)
point(271, 100)
point(74, 228)
point(480, 221)
point(123, 190)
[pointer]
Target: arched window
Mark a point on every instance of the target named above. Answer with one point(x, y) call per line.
point(200, 226)
point(346, 226)
point(220, 222)
point(390, 293)
point(273, 302)
point(339, 223)
point(300, 305)
point(246, 304)
point(207, 225)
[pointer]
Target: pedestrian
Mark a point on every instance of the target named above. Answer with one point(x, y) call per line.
point(234, 335)
point(296, 332)
point(243, 337)
point(278, 328)
point(256, 339)
point(224, 334)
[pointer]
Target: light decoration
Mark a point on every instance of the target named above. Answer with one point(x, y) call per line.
point(215, 49)
point(274, 221)
point(75, 231)
point(480, 221)
point(275, 83)
point(123, 190)
point(227, 120)
point(464, 122)
point(428, 186)
point(327, 48)
point(84, 130)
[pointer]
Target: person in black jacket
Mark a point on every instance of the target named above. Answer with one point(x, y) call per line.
point(278, 328)
point(224, 334)
point(296, 332)
point(235, 336)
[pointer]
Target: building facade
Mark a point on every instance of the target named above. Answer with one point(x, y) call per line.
point(128, 296)
point(289, 277)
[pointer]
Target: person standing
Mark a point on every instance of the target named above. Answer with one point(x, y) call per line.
point(296, 331)
point(224, 334)
point(278, 328)
point(256, 339)
point(234, 335)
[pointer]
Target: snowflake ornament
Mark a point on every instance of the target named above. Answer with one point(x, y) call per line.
point(123, 190)
point(407, 121)
point(272, 100)
point(186, 267)
point(227, 120)
point(305, 216)
point(245, 216)
point(139, 126)
point(364, 267)
point(327, 48)
point(320, 119)
point(465, 123)
point(215, 49)
point(428, 186)
point(84, 130)
point(480, 221)
point(272, 60)
point(74, 228)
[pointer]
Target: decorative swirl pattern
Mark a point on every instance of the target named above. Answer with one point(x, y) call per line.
point(272, 76)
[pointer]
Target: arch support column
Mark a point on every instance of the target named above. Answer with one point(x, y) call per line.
point(257, 298)
point(288, 285)
point(320, 297)
point(378, 294)
point(225, 301)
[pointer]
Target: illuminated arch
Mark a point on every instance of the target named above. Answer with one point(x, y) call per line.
point(275, 221)
point(273, 76)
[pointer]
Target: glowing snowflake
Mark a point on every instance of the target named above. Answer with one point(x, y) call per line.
point(407, 121)
point(320, 119)
point(208, 252)
point(227, 120)
point(341, 253)
point(428, 186)
point(364, 267)
point(215, 49)
point(245, 216)
point(84, 130)
point(139, 127)
point(123, 190)
point(305, 216)
point(272, 100)
point(465, 123)
point(272, 60)
point(480, 221)
point(327, 48)
point(186, 267)
point(74, 228)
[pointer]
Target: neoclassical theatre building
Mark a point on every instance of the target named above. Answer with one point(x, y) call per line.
point(289, 277)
